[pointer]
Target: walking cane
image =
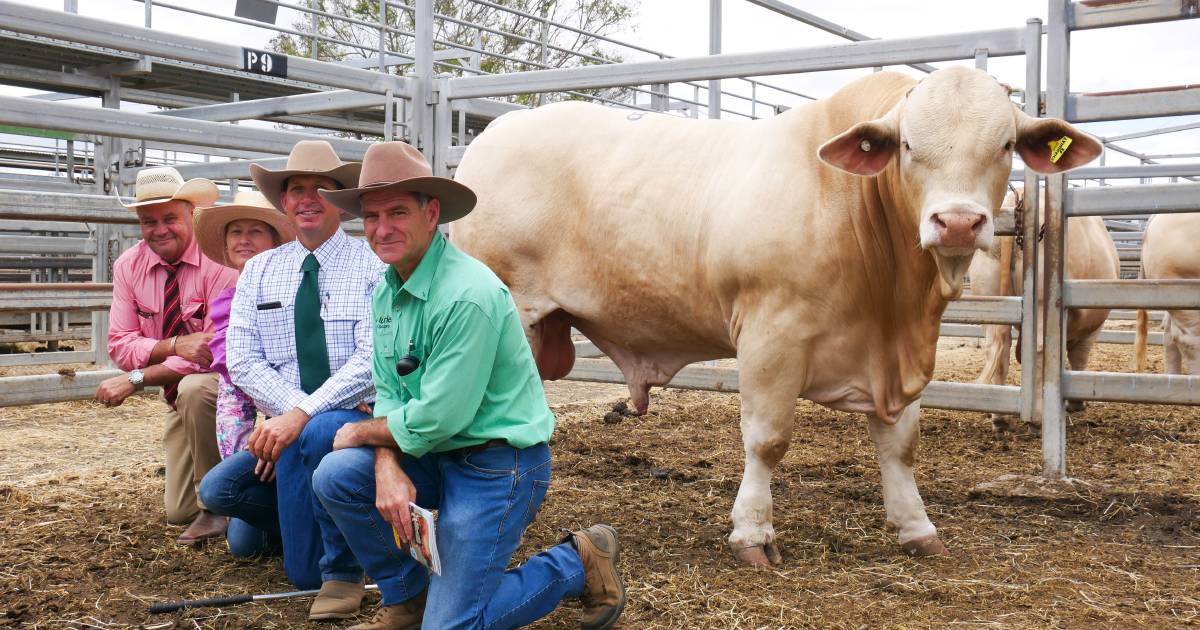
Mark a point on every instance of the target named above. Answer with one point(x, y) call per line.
point(158, 608)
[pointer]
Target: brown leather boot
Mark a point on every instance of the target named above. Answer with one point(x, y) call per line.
point(405, 616)
point(603, 595)
point(337, 600)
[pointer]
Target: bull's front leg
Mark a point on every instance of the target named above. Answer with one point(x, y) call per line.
point(768, 414)
point(897, 448)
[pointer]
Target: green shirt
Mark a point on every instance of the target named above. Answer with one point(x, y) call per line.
point(477, 380)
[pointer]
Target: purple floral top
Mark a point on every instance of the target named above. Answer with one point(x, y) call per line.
point(235, 410)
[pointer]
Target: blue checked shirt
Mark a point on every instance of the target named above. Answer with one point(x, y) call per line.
point(261, 340)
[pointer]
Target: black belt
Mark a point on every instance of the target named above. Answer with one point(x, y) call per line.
point(485, 446)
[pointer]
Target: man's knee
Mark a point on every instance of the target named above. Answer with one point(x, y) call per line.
point(196, 389)
point(335, 477)
point(325, 479)
point(316, 439)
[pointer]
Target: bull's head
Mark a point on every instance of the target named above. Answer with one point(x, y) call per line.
point(953, 135)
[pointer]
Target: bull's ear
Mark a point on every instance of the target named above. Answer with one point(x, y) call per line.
point(1051, 145)
point(864, 149)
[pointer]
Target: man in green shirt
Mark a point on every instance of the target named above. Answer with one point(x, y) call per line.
point(462, 425)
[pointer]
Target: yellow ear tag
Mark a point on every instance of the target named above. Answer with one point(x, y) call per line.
point(1058, 148)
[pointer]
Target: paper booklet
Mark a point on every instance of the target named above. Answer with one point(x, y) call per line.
point(424, 543)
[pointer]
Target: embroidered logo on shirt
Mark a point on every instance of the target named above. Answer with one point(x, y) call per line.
point(383, 320)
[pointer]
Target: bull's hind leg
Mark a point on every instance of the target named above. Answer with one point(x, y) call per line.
point(1077, 357)
point(897, 448)
point(769, 391)
point(998, 341)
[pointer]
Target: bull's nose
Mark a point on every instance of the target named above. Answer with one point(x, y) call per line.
point(958, 229)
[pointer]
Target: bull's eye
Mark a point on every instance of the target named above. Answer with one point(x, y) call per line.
point(1008, 146)
point(906, 147)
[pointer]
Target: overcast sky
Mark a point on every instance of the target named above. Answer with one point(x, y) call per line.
point(1108, 59)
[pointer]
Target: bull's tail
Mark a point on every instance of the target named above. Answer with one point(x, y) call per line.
point(1139, 342)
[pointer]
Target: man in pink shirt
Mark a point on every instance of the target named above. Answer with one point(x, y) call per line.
point(158, 332)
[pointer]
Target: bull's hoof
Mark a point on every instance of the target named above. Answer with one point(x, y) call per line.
point(1076, 406)
point(1001, 423)
point(926, 546)
point(760, 555)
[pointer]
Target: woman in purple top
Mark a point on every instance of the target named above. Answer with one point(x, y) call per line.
point(231, 235)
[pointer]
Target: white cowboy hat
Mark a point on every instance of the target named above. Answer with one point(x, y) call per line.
point(163, 183)
point(211, 223)
point(308, 157)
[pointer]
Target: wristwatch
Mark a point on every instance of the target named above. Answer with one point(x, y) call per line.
point(136, 377)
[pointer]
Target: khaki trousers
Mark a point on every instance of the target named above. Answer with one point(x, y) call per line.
point(190, 439)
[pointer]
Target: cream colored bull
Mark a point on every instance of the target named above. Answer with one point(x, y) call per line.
point(818, 247)
point(1091, 255)
point(1171, 251)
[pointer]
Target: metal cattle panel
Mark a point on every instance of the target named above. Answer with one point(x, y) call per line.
point(47, 388)
point(983, 310)
point(1165, 389)
point(23, 205)
point(51, 245)
point(1144, 199)
point(45, 358)
point(47, 115)
point(1161, 294)
point(1166, 101)
point(999, 43)
point(73, 296)
point(938, 395)
point(1093, 14)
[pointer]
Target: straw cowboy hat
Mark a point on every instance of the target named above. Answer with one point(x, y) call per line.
point(308, 157)
point(400, 166)
point(211, 222)
point(163, 183)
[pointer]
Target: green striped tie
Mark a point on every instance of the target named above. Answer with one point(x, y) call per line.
point(311, 352)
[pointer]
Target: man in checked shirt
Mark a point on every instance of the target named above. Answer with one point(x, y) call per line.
point(299, 344)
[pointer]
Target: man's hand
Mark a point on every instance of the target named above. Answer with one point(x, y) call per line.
point(393, 492)
point(347, 436)
point(265, 471)
point(273, 435)
point(373, 432)
point(194, 348)
point(112, 392)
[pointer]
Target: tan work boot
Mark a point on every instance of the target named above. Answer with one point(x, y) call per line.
point(337, 600)
point(404, 616)
point(603, 595)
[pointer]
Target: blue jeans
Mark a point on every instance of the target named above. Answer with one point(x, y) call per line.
point(232, 489)
point(485, 500)
point(314, 550)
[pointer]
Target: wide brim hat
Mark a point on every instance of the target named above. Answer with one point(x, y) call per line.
point(212, 222)
point(399, 166)
point(308, 157)
point(163, 183)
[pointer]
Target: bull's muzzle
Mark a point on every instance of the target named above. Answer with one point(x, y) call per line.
point(958, 229)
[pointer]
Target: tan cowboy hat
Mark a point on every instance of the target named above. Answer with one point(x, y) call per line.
point(308, 157)
point(163, 183)
point(212, 222)
point(400, 166)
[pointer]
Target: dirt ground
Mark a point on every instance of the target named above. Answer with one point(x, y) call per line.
point(83, 541)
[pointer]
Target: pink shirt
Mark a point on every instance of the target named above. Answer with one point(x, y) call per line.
point(135, 319)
